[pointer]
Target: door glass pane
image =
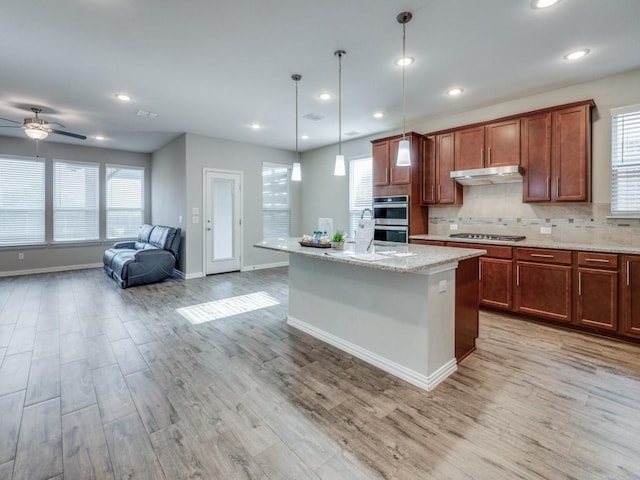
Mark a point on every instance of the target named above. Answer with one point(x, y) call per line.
point(222, 219)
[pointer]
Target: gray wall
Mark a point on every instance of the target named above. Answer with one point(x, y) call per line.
point(609, 92)
point(206, 152)
point(56, 257)
point(169, 188)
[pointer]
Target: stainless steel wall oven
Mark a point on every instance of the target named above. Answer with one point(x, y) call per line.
point(391, 218)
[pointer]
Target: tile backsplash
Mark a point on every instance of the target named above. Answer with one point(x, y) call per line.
point(499, 209)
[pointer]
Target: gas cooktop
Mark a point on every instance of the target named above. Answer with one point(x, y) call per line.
point(488, 236)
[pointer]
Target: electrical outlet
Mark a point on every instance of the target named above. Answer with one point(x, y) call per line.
point(545, 230)
point(180, 219)
point(442, 286)
point(453, 226)
point(20, 256)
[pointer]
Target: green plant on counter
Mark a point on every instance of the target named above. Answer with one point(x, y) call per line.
point(338, 237)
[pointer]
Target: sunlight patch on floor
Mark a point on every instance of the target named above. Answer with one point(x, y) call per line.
point(227, 307)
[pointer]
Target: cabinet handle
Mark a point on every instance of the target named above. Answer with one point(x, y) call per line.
point(433, 192)
point(628, 279)
point(386, 174)
point(579, 283)
point(599, 260)
point(482, 156)
point(540, 255)
point(548, 186)
point(489, 159)
point(557, 187)
point(480, 272)
point(517, 275)
point(439, 192)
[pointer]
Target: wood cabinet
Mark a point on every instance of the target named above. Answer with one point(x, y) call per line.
point(597, 290)
point(543, 283)
point(556, 154)
point(491, 145)
point(630, 296)
point(438, 158)
point(385, 152)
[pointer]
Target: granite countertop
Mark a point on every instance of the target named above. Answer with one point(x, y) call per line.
point(403, 258)
point(587, 247)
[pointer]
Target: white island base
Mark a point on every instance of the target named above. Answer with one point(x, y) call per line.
point(400, 322)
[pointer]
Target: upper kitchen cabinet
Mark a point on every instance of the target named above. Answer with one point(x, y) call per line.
point(556, 154)
point(438, 159)
point(385, 171)
point(491, 145)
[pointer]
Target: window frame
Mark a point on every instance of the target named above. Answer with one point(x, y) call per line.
point(352, 211)
point(287, 208)
point(105, 185)
point(618, 167)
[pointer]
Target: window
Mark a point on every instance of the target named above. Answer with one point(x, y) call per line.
point(360, 190)
point(276, 209)
point(75, 201)
point(21, 201)
point(625, 161)
point(125, 201)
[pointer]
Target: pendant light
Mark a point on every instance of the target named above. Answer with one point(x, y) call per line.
point(339, 169)
point(404, 148)
point(296, 173)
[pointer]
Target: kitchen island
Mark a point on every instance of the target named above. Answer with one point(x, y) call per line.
point(395, 307)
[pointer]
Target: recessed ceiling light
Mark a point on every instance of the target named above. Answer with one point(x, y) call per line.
point(543, 3)
point(123, 97)
point(255, 126)
point(99, 137)
point(576, 54)
point(378, 115)
point(403, 62)
point(454, 92)
point(304, 137)
point(324, 96)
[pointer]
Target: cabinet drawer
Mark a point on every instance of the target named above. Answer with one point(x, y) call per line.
point(597, 260)
point(493, 251)
point(544, 255)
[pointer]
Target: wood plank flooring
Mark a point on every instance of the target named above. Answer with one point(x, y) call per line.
point(103, 383)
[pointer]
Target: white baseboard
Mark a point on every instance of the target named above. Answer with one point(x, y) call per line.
point(64, 268)
point(400, 371)
point(264, 266)
point(191, 276)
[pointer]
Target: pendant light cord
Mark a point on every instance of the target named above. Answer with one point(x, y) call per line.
point(404, 68)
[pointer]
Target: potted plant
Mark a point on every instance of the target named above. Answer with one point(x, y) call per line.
point(337, 240)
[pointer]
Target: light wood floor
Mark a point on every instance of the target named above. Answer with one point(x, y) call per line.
point(98, 382)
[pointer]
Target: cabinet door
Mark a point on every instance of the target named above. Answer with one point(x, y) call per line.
point(597, 298)
point(571, 153)
point(495, 282)
point(447, 189)
point(429, 170)
point(630, 307)
point(502, 142)
point(536, 158)
point(399, 175)
point(380, 154)
point(469, 148)
point(544, 290)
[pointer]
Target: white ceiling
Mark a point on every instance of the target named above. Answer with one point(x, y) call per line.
point(212, 67)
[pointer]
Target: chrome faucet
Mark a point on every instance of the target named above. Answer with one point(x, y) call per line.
point(364, 211)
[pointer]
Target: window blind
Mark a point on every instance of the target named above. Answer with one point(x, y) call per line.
point(276, 209)
point(625, 162)
point(360, 190)
point(21, 201)
point(125, 201)
point(75, 201)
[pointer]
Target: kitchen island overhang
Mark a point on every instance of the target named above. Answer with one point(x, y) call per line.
point(395, 312)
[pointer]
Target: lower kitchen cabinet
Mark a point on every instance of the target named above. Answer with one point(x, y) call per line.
point(495, 283)
point(597, 291)
point(543, 283)
point(630, 298)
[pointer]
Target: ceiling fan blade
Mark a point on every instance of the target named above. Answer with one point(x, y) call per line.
point(53, 124)
point(69, 134)
point(11, 121)
point(10, 126)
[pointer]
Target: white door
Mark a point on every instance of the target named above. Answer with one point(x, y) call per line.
point(222, 222)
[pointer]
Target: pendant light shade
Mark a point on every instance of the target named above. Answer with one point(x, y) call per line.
point(404, 148)
point(296, 172)
point(339, 168)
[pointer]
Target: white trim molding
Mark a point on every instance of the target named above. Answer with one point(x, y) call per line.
point(64, 268)
point(264, 266)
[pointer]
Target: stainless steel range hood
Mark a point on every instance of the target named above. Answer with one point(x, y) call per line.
point(486, 176)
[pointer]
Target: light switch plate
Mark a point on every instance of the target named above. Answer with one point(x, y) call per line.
point(545, 230)
point(195, 211)
point(195, 219)
point(442, 286)
point(453, 226)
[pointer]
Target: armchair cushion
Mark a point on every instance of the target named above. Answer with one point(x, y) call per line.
point(149, 259)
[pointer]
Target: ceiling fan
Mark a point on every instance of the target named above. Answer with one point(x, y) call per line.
point(39, 129)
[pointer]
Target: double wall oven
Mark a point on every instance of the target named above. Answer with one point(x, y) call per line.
point(391, 218)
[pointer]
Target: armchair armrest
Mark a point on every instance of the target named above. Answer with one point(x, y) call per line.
point(130, 245)
point(152, 255)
